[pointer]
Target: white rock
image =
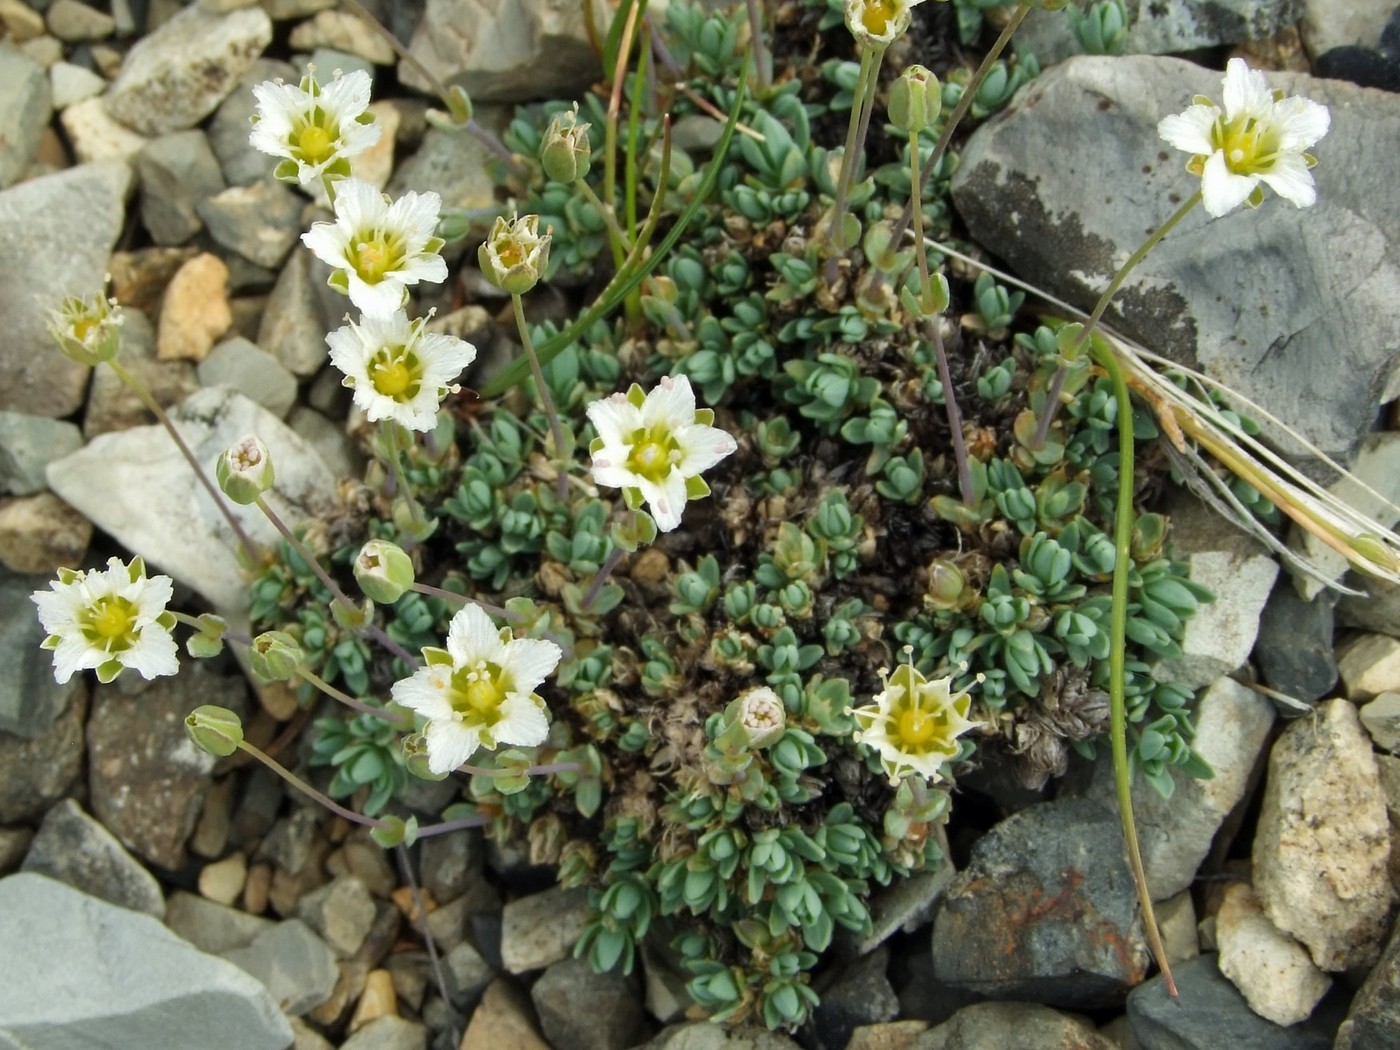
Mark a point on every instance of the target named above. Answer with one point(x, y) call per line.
point(1272, 970)
point(1381, 717)
point(135, 485)
point(174, 78)
point(96, 136)
point(72, 84)
point(343, 31)
point(1323, 843)
point(1370, 665)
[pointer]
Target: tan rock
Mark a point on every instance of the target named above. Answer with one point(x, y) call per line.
point(893, 1035)
point(342, 31)
point(20, 20)
point(41, 533)
point(377, 1000)
point(223, 880)
point(256, 887)
point(1272, 971)
point(95, 135)
point(1370, 666)
point(503, 1018)
point(195, 312)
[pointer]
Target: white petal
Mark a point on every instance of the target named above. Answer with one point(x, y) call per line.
point(74, 654)
point(347, 96)
point(529, 661)
point(153, 655)
point(416, 214)
point(1300, 122)
point(665, 500)
point(358, 205)
point(612, 477)
point(1223, 191)
point(472, 636)
point(671, 401)
point(327, 242)
point(425, 692)
point(1290, 179)
point(1190, 131)
point(1246, 90)
point(155, 596)
point(428, 267)
point(702, 447)
point(615, 419)
point(450, 743)
point(523, 722)
point(444, 357)
point(378, 301)
point(56, 608)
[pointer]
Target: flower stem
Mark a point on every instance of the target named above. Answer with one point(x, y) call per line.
point(250, 550)
point(618, 234)
point(763, 61)
point(1052, 399)
point(419, 918)
point(1117, 657)
point(394, 453)
point(337, 595)
point(561, 451)
point(543, 770)
point(604, 571)
point(870, 59)
point(307, 790)
point(349, 701)
point(945, 377)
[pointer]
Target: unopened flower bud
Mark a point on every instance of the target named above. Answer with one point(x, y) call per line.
point(384, 571)
point(86, 330)
point(514, 257)
point(275, 656)
point(946, 586)
point(415, 758)
point(916, 99)
point(566, 152)
point(216, 730)
point(761, 714)
point(395, 831)
point(244, 470)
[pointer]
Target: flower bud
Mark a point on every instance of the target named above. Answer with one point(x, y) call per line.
point(215, 730)
point(566, 152)
point(384, 571)
point(275, 656)
point(877, 23)
point(395, 831)
point(947, 587)
point(514, 257)
point(761, 714)
point(244, 470)
point(415, 758)
point(916, 99)
point(210, 639)
point(86, 330)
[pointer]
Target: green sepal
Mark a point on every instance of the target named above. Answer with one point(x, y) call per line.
point(287, 171)
point(434, 657)
point(395, 831)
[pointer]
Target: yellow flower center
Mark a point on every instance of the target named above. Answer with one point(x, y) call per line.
point(1249, 146)
point(376, 256)
point(916, 727)
point(653, 453)
point(396, 372)
point(478, 691)
point(110, 622)
point(314, 142)
point(876, 16)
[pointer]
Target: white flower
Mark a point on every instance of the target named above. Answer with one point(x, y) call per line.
point(108, 620)
point(316, 128)
point(398, 370)
point(655, 446)
point(914, 723)
point(878, 23)
point(378, 248)
point(479, 691)
point(1260, 137)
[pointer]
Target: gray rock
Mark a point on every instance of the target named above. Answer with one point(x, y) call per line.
point(612, 1019)
point(82, 209)
point(96, 135)
point(448, 864)
point(75, 23)
point(26, 106)
point(1325, 881)
point(92, 974)
point(388, 1033)
point(293, 327)
point(1025, 1026)
point(1045, 910)
point(1232, 728)
point(288, 843)
point(1376, 609)
point(136, 486)
point(292, 963)
point(178, 171)
point(71, 84)
point(31, 701)
point(1042, 184)
point(27, 445)
point(1381, 717)
point(329, 58)
point(112, 405)
point(210, 927)
point(531, 50)
point(542, 928)
point(260, 222)
point(331, 442)
point(1239, 572)
point(344, 31)
point(860, 994)
point(73, 848)
point(706, 1035)
point(467, 974)
point(14, 843)
point(905, 904)
point(228, 131)
point(342, 911)
point(148, 779)
point(1211, 1014)
point(240, 365)
point(1327, 24)
point(176, 76)
point(1374, 1018)
point(451, 165)
point(1294, 649)
point(34, 774)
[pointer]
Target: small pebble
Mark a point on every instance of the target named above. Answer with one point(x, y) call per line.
point(195, 311)
point(223, 880)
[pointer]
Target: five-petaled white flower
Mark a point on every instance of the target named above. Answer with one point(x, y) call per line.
point(655, 446)
point(315, 127)
point(479, 691)
point(377, 248)
point(397, 370)
point(1260, 137)
point(878, 23)
point(914, 723)
point(108, 620)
